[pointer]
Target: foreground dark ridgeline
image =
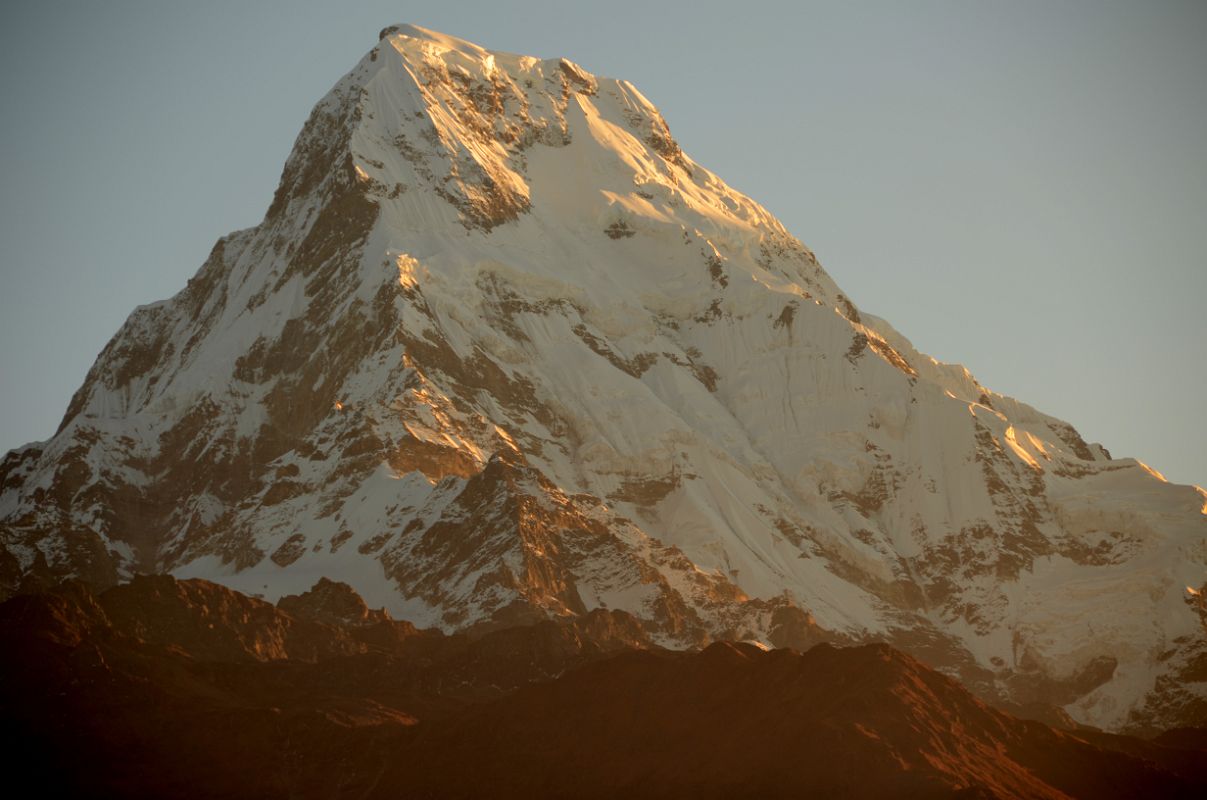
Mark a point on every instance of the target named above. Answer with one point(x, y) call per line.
point(171, 688)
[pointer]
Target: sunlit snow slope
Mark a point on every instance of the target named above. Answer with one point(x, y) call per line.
point(501, 350)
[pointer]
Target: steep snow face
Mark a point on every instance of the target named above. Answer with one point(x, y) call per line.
point(501, 350)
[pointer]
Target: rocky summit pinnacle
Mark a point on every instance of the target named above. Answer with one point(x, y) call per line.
point(501, 351)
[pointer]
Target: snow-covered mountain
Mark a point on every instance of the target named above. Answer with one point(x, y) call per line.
point(501, 350)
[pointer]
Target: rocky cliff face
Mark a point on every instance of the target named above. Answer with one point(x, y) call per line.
point(501, 351)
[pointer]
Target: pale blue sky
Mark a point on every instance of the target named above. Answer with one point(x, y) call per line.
point(1017, 186)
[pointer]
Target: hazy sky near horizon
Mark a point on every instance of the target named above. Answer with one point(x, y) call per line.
point(1019, 187)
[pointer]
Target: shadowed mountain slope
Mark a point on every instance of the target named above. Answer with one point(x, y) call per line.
point(185, 688)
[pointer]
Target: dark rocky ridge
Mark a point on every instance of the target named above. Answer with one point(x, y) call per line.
point(184, 688)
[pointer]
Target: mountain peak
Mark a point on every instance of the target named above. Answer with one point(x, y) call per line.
point(333, 602)
point(475, 253)
point(421, 34)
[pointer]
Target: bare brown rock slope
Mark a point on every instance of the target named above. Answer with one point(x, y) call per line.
point(187, 689)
